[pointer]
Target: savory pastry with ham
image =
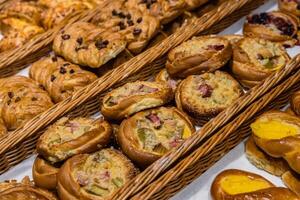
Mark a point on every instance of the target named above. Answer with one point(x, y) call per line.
point(94, 176)
point(164, 77)
point(21, 99)
point(290, 6)
point(68, 137)
point(255, 59)
point(198, 55)
point(134, 97)
point(60, 78)
point(148, 135)
point(295, 103)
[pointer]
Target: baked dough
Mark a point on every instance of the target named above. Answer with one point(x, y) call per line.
point(68, 137)
point(295, 103)
point(290, 6)
point(292, 181)
point(60, 78)
point(255, 59)
point(134, 97)
point(192, 4)
point(198, 55)
point(148, 135)
point(3, 130)
point(20, 100)
point(94, 176)
point(164, 77)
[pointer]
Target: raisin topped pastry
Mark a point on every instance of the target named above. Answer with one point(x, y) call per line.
point(148, 135)
point(164, 77)
point(94, 176)
point(134, 97)
point(68, 137)
point(254, 59)
point(198, 55)
point(273, 26)
point(60, 78)
point(206, 95)
point(20, 100)
point(290, 6)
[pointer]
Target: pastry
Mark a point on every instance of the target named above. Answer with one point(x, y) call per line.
point(148, 135)
point(134, 97)
point(60, 78)
point(274, 26)
point(94, 176)
point(278, 134)
point(292, 181)
point(255, 59)
point(44, 174)
point(295, 103)
point(68, 137)
point(164, 77)
point(12, 190)
point(236, 184)
point(198, 55)
point(233, 39)
point(20, 100)
point(290, 6)
point(3, 130)
point(206, 95)
point(192, 4)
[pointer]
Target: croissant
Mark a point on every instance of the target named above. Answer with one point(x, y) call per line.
point(295, 103)
point(290, 6)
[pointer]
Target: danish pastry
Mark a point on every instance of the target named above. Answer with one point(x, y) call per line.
point(68, 137)
point(198, 55)
point(134, 97)
point(206, 95)
point(290, 6)
point(94, 176)
point(295, 103)
point(274, 26)
point(20, 100)
point(164, 77)
point(3, 130)
point(60, 78)
point(148, 135)
point(255, 59)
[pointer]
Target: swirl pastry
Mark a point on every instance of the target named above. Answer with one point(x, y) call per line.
point(68, 137)
point(255, 59)
point(134, 97)
point(94, 176)
point(290, 6)
point(164, 77)
point(295, 103)
point(148, 135)
point(273, 26)
point(198, 55)
point(20, 100)
point(60, 78)
point(206, 95)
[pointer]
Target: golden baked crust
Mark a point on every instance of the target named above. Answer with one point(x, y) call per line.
point(192, 4)
point(233, 39)
point(68, 137)
point(134, 97)
point(295, 102)
point(255, 59)
point(44, 174)
point(60, 78)
point(292, 181)
point(3, 130)
point(94, 176)
point(208, 94)
point(20, 100)
point(148, 135)
point(198, 55)
point(164, 77)
point(289, 6)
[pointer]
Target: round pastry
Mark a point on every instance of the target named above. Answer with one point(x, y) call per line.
point(12, 190)
point(164, 77)
point(278, 134)
point(273, 26)
point(20, 100)
point(44, 174)
point(295, 103)
point(94, 176)
point(206, 95)
point(148, 135)
point(68, 137)
point(236, 184)
point(134, 97)
point(198, 55)
point(60, 78)
point(290, 6)
point(255, 59)
point(3, 130)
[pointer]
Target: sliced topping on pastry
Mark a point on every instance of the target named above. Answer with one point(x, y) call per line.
point(205, 90)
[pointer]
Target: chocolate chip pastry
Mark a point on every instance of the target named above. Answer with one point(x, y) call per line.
point(290, 6)
point(60, 78)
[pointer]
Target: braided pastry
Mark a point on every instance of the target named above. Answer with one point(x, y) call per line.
point(290, 6)
point(60, 78)
point(295, 103)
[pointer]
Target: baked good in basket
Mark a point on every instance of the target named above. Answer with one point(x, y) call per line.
point(68, 137)
point(198, 55)
point(290, 6)
point(44, 174)
point(292, 181)
point(236, 184)
point(3, 129)
point(148, 135)
point(295, 103)
point(255, 59)
point(164, 77)
point(60, 78)
point(206, 95)
point(94, 176)
point(274, 26)
point(12, 190)
point(277, 134)
point(192, 4)
point(20, 100)
point(134, 97)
